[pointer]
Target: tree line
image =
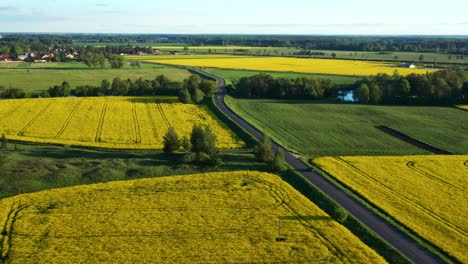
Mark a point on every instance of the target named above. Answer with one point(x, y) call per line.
point(129, 43)
point(191, 90)
point(265, 86)
point(439, 88)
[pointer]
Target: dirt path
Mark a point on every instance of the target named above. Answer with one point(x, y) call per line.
point(389, 233)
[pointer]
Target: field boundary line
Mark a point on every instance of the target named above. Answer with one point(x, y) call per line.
point(34, 119)
point(101, 121)
point(68, 120)
point(136, 123)
point(402, 197)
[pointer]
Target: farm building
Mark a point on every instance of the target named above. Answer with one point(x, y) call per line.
point(408, 65)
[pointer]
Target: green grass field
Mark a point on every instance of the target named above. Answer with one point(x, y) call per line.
point(339, 129)
point(235, 75)
point(27, 168)
point(37, 77)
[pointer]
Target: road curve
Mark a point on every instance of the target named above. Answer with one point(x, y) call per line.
point(407, 246)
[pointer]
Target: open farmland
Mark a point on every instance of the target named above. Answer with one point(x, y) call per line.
point(39, 77)
point(210, 218)
point(336, 129)
point(107, 122)
point(464, 107)
point(282, 64)
point(425, 193)
point(235, 75)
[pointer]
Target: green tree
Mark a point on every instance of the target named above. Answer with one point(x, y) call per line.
point(208, 87)
point(362, 93)
point(186, 144)
point(171, 141)
point(198, 96)
point(421, 58)
point(263, 151)
point(116, 61)
point(184, 96)
point(101, 60)
point(375, 94)
point(4, 141)
point(90, 59)
point(203, 140)
point(278, 163)
point(105, 86)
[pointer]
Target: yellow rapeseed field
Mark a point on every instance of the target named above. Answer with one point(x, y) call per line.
point(428, 194)
point(108, 122)
point(283, 64)
point(231, 217)
point(465, 107)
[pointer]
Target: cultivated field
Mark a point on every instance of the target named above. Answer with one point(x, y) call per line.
point(336, 129)
point(38, 77)
point(426, 193)
point(282, 64)
point(465, 107)
point(235, 75)
point(108, 122)
point(232, 217)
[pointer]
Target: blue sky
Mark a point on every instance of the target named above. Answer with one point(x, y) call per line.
point(358, 17)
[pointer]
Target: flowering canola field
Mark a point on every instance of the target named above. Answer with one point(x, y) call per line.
point(428, 194)
point(283, 64)
point(465, 107)
point(230, 217)
point(107, 122)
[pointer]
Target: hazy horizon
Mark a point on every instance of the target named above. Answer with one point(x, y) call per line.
point(297, 17)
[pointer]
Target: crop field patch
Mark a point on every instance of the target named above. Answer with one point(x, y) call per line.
point(107, 122)
point(321, 129)
point(241, 217)
point(282, 64)
point(426, 193)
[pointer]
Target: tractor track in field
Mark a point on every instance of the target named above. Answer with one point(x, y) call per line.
point(163, 115)
point(34, 119)
point(69, 118)
point(101, 121)
point(136, 123)
point(399, 240)
point(403, 137)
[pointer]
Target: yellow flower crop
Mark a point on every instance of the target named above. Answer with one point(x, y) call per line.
point(108, 122)
point(283, 64)
point(230, 217)
point(425, 193)
point(463, 107)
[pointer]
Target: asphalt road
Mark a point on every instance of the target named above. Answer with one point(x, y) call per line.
point(393, 236)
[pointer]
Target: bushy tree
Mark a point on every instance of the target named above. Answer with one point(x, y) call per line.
point(184, 96)
point(374, 93)
point(362, 93)
point(198, 96)
point(171, 141)
point(203, 140)
point(278, 163)
point(263, 151)
point(208, 87)
point(116, 61)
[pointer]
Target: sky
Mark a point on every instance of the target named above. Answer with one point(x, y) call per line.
point(324, 17)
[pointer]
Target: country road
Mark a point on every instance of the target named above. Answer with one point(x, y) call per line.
point(407, 246)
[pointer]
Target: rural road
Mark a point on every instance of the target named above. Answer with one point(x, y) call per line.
point(393, 236)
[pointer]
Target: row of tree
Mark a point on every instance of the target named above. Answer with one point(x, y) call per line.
point(265, 86)
point(191, 90)
point(441, 87)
